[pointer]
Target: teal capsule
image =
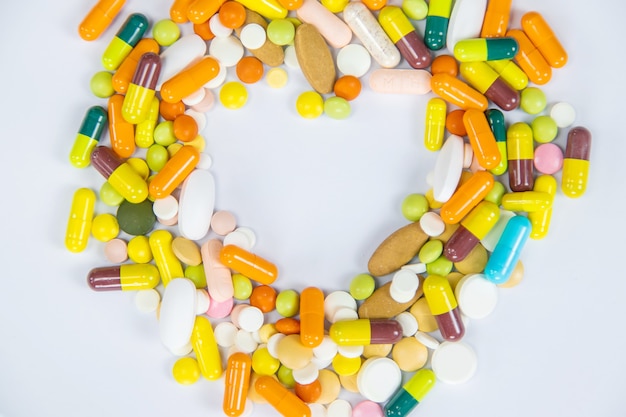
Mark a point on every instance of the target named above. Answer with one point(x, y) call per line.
point(124, 41)
point(485, 49)
point(410, 394)
point(496, 122)
point(88, 136)
point(436, 30)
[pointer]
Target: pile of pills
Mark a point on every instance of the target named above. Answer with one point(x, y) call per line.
point(196, 269)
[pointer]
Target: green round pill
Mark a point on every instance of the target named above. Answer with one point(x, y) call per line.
point(544, 129)
point(431, 251)
point(440, 266)
point(139, 250)
point(136, 219)
point(109, 195)
point(414, 206)
point(337, 108)
point(242, 287)
point(285, 375)
point(281, 31)
point(496, 193)
point(362, 286)
point(164, 133)
point(101, 84)
point(415, 9)
point(165, 32)
point(533, 100)
point(196, 274)
point(288, 303)
point(156, 157)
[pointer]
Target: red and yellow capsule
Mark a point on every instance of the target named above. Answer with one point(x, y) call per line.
point(443, 306)
point(473, 228)
point(520, 151)
point(142, 88)
point(126, 277)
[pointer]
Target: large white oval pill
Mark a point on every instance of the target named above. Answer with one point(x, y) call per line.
point(177, 315)
point(196, 204)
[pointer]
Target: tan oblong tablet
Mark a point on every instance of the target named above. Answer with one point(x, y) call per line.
point(315, 58)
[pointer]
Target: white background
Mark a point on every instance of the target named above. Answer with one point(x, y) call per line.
point(320, 195)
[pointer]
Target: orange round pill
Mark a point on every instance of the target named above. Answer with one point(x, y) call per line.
point(232, 14)
point(445, 64)
point(249, 69)
point(309, 393)
point(375, 4)
point(203, 30)
point(185, 128)
point(288, 325)
point(264, 298)
point(169, 111)
point(454, 123)
point(347, 87)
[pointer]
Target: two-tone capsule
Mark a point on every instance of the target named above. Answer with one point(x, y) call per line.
point(507, 251)
point(362, 332)
point(510, 73)
point(482, 49)
point(576, 162)
point(125, 277)
point(473, 228)
point(407, 397)
point(437, 20)
point(122, 177)
point(141, 89)
point(498, 127)
point(124, 41)
point(125, 73)
point(540, 219)
point(487, 81)
point(520, 152)
point(443, 306)
point(402, 33)
point(88, 136)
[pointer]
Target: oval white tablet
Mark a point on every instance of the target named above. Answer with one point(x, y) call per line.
point(306, 375)
point(468, 155)
point(454, 362)
point(354, 60)
point(448, 168)
point(408, 322)
point(252, 36)
point(477, 297)
point(432, 224)
point(378, 379)
point(179, 55)
point(196, 204)
point(400, 81)
point(177, 315)
point(336, 300)
point(228, 51)
point(466, 21)
point(225, 333)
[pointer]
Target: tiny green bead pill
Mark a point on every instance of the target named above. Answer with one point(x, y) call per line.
point(165, 32)
point(164, 133)
point(288, 303)
point(139, 250)
point(242, 287)
point(285, 376)
point(109, 195)
point(156, 157)
point(136, 219)
point(362, 286)
point(196, 274)
point(415, 9)
point(431, 251)
point(496, 193)
point(441, 266)
point(533, 100)
point(414, 206)
point(101, 84)
point(337, 108)
point(281, 32)
point(544, 129)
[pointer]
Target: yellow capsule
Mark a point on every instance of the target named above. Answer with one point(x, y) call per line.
point(395, 23)
point(124, 41)
point(540, 220)
point(481, 219)
point(206, 349)
point(510, 72)
point(576, 162)
point(128, 183)
point(435, 124)
point(527, 201)
point(79, 223)
point(166, 261)
point(144, 132)
point(126, 277)
point(270, 9)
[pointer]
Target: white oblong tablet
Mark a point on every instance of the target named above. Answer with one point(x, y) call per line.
point(196, 204)
point(563, 114)
point(354, 60)
point(225, 334)
point(466, 21)
point(326, 350)
point(448, 168)
point(477, 297)
point(147, 301)
point(454, 362)
point(418, 268)
point(272, 344)
point(432, 224)
point(252, 36)
point(468, 155)
point(251, 319)
point(307, 374)
point(350, 351)
point(194, 98)
point(344, 314)
point(218, 28)
point(491, 240)
point(165, 208)
point(427, 340)
point(177, 314)
point(339, 408)
point(228, 51)
point(336, 300)
point(400, 81)
point(408, 322)
point(378, 379)
point(179, 55)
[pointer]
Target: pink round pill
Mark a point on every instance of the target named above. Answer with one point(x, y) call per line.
point(116, 251)
point(367, 408)
point(206, 103)
point(223, 222)
point(220, 309)
point(169, 222)
point(234, 313)
point(548, 158)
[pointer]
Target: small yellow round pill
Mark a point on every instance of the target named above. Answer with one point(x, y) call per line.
point(277, 77)
point(186, 371)
point(310, 105)
point(139, 250)
point(105, 227)
point(233, 95)
point(263, 363)
point(346, 366)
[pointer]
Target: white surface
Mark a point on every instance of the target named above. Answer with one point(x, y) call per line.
point(321, 195)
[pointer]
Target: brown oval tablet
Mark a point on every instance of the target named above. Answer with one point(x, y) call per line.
point(380, 305)
point(270, 53)
point(315, 58)
point(397, 250)
point(409, 354)
point(382, 350)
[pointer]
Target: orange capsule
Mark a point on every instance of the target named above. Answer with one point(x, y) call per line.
point(284, 401)
point(178, 11)
point(121, 132)
point(496, 20)
point(176, 169)
point(124, 74)
point(288, 325)
point(190, 80)
point(542, 36)
point(99, 18)
point(482, 139)
point(456, 92)
point(246, 263)
point(236, 381)
point(199, 11)
point(311, 317)
point(466, 197)
point(530, 59)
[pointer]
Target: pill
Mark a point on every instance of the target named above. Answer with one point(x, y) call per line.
point(129, 34)
point(466, 21)
point(508, 250)
point(225, 333)
point(457, 92)
point(269, 53)
point(542, 36)
point(115, 251)
point(530, 59)
point(177, 316)
point(437, 21)
point(136, 219)
point(339, 408)
point(330, 26)
point(454, 362)
point(496, 19)
point(311, 317)
point(88, 136)
point(244, 342)
point(344, 314)
point(408, 323)
point(448, 168)
point(292, 353)
point(473, 228)
point(263, 363)
point(238, 238)
point(309, 393)
point(432, 224)
point(563, 114)
point(540, 220)
point(206, 349)
point(476, 296)
point(365, 331)
point(147, 301)
point(306, 375)
point(237, 379)
point(99, 18)
point(427, 340)
point(520, 153)
point(141, 89)
point(199, 11)
point(435, 124)
point(186, 50)
point(80, 220)
point(367, 409)
point(378, 379)
point(120, 175)
point(400, 81)
point(488, 82)
point(186, 371)
point(317, 410)
point(576, 162)
point(397, 249)
point(403, 34)
point(126, 277)
point(481, 49)
point(404, 285)
point(161, 247)
point(443, 306)
point(406, 398)
point(270, 9)
point(354, 60)
point(510, 72)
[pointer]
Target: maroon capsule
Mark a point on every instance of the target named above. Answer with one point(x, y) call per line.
point(147, 71)
point(503, 95)
point(578, 144)
point(460, 244)
point(127, 277)
point(105, 161)
point(413, 49)
point(520, 152)
point(451, 325)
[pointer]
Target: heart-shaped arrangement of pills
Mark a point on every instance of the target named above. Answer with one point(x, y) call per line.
point(397, 329)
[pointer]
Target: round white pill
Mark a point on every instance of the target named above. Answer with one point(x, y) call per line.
point(321, 363)
point(354, 60)
point(228, 51)
point(251, 319)
point(218, 28)
point(249, 233)
point(147, 301)
point(378, 379)
point(432, 224)
point(165, 208)
point(199, 117)
point(272, 344)
point(203, 301)
point(343, 314)
point(325, 350)
point(563, 114)
point(225, 334)
point(194, 98)
point(339, 408)
point(408, 322)
point(336, 300)
point(252, 36)
point(205, 161)
point(244, 342)
point(238, 238)
point(306, 375)
point(219, 79)
point(291, 60)
point(477, 297)
point(427, 340)
point(403, 286)
point(317, 410)
point(350, 351)
point(454, 362)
